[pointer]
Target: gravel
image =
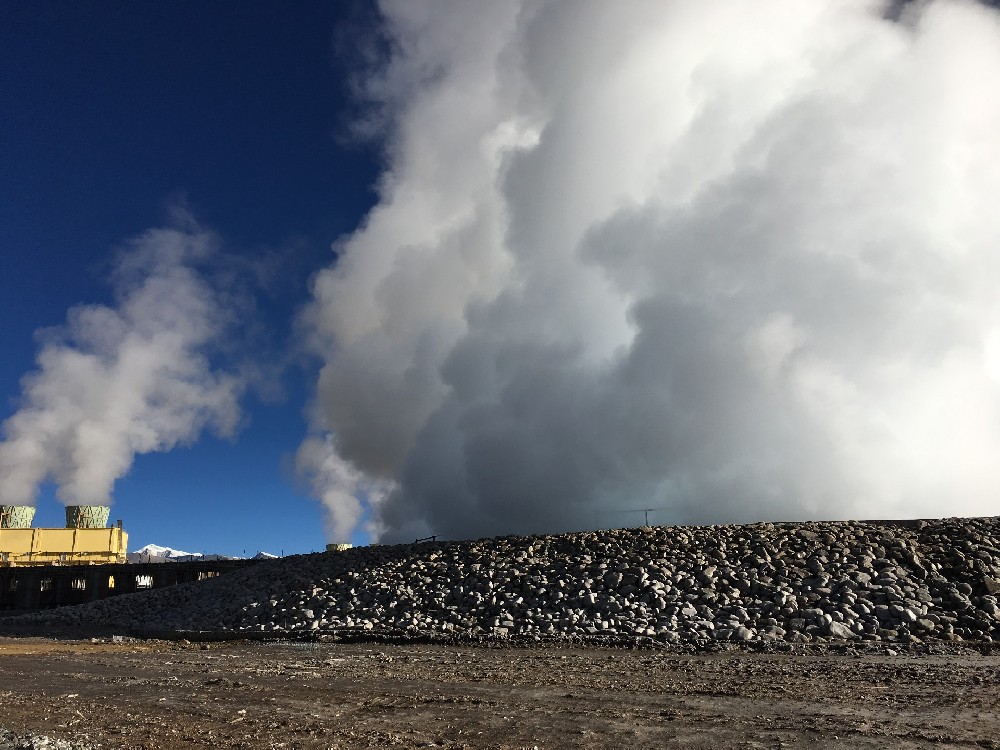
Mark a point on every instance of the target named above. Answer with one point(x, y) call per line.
point(11, 741)
point(766, 583)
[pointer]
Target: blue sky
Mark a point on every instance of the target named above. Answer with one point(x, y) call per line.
point(114, 111)
point(730, 263)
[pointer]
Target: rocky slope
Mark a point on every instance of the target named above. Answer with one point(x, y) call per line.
point(888, 581)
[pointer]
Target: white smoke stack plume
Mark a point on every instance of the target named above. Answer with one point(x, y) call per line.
point(339, 486)
point(117, 381)
point(735, 260)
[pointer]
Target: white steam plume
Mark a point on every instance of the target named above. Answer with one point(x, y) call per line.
point(115, 382)
point(736, 260)
point(339, 486)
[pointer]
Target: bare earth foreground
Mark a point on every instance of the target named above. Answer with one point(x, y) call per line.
point(157, 694)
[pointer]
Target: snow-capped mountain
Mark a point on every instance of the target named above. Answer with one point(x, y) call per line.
point(155, 550)
point(155, 553)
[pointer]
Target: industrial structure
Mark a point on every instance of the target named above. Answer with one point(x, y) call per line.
point(82, 562)
point(85, 540)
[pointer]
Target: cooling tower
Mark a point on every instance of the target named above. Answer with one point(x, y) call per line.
point(87, 516)
point(16, 516)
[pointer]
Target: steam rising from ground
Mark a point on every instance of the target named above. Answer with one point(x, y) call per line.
point(735, 260)
point(114, 382)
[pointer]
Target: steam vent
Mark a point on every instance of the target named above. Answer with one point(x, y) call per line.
point(87, 516)
point(16, 516)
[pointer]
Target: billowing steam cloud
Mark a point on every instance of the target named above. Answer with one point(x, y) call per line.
point(734, 260)
point(114, 382)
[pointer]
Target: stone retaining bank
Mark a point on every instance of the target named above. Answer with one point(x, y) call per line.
point(896, 582)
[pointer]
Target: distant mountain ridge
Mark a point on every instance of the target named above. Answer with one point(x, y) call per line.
point(158, 554)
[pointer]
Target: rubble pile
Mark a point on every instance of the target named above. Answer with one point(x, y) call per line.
point(905, 581)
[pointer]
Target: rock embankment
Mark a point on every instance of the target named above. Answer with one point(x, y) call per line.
point(797, 582)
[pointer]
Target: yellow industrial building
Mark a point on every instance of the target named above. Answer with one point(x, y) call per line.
point(86, 539)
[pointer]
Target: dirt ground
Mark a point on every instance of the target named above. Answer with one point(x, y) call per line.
point(253, 695)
